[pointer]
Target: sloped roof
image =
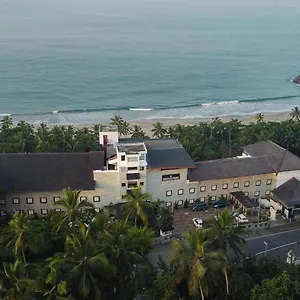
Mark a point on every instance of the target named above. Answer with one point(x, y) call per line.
point(32, 172)
point(246, 201)
point(289, 192)
point(283, 160)
point(167, 153)
point(231, 168)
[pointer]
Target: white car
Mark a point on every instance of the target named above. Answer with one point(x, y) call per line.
point(241, 218)
point(198, 222)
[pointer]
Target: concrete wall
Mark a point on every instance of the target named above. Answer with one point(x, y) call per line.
point(158, 188)
point(251, 189)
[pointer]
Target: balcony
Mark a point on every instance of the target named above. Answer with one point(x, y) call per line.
point(133, 176)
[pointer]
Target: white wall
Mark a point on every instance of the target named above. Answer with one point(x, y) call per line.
point(112, 137)
point(282, 177)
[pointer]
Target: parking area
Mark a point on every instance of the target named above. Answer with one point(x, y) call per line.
point(183, 217)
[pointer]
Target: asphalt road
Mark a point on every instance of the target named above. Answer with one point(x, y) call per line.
point(278, 245)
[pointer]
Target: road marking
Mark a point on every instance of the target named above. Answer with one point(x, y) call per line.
point(279, 247)
point(266, 235)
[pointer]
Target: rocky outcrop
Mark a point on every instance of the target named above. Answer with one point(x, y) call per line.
point(297, 79)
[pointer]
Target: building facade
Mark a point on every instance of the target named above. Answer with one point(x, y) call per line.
point(161, 167)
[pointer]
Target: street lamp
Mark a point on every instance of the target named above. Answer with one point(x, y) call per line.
point(266, 248)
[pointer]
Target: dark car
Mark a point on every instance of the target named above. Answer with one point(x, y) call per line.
point(220, 204)
point(199, 206)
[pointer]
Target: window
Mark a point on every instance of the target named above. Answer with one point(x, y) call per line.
point(257, 193)
point(180, 192)
point(57, 209)
point(236, 185)
point(83, 198)
point(56, 199)
point(132, 159)
point(170, 177)
point(97, 209)
point(123, 184)
point(192, 190)
point(202, 199)
point(29, 200)
point(142, 156)
point(2, 201)
point(96, 198)
point(43, 199)
point(224, 196)
point(142, 168)
point(142, 183)
point(258, 182)
point(169, 203)
point(44, 212)
point(132, 184)
point(224, 186)
point(191, 201)
point(267, 192)
point(269, 181)
point(213, 198)
point(123, 157)
point(246, 183)
point(16, 201)
point(169, 193)
point(132, 168)
point(180, 202)
point(202, 188)
point(213, 187)
point(246, 194)
point(30, 212)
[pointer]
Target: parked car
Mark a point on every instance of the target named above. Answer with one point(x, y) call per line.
point(220, 204)
point(241, 218)
point(198, 223)
point(199, 206)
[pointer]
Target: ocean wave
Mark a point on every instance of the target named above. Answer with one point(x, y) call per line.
point(220, 103)
point(118, 109)
point(140, 109)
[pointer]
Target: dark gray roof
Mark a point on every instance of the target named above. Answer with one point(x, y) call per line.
point(289, 192)
point(23, 172)
point(246, 201)
point(231, 167)
point(167, 153)
point(283, 160)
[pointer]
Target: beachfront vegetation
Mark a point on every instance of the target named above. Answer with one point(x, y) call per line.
point(204, 141)
point(71, 256)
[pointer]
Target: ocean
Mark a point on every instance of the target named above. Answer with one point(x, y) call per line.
point(80, 62)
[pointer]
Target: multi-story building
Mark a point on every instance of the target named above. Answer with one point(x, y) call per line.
point(162, 167)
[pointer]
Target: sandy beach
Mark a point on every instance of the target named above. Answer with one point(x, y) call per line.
point(147, 124)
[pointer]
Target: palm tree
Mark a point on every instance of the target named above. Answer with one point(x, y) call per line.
point(259, 118)
point(43, 138)
point(194, 261)
point(6, 124)
point(137, 132)
point(82, 265)
point(74, 212)
point(13, 282)
point(125, 128)
point(224, 235)
point(295, 113)
point(137, 205)
point(122, 250)
point(117, 121)
point(21, 238)
point(158, 130)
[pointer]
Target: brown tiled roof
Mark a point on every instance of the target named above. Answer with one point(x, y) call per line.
point(283, 160)
point(289, 192)
point(32, 172)
point(231, 168)
point(246, 201)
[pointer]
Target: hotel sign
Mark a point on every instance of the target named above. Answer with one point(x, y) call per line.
point(170, 177)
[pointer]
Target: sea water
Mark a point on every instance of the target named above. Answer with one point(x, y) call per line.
point(80, 62)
